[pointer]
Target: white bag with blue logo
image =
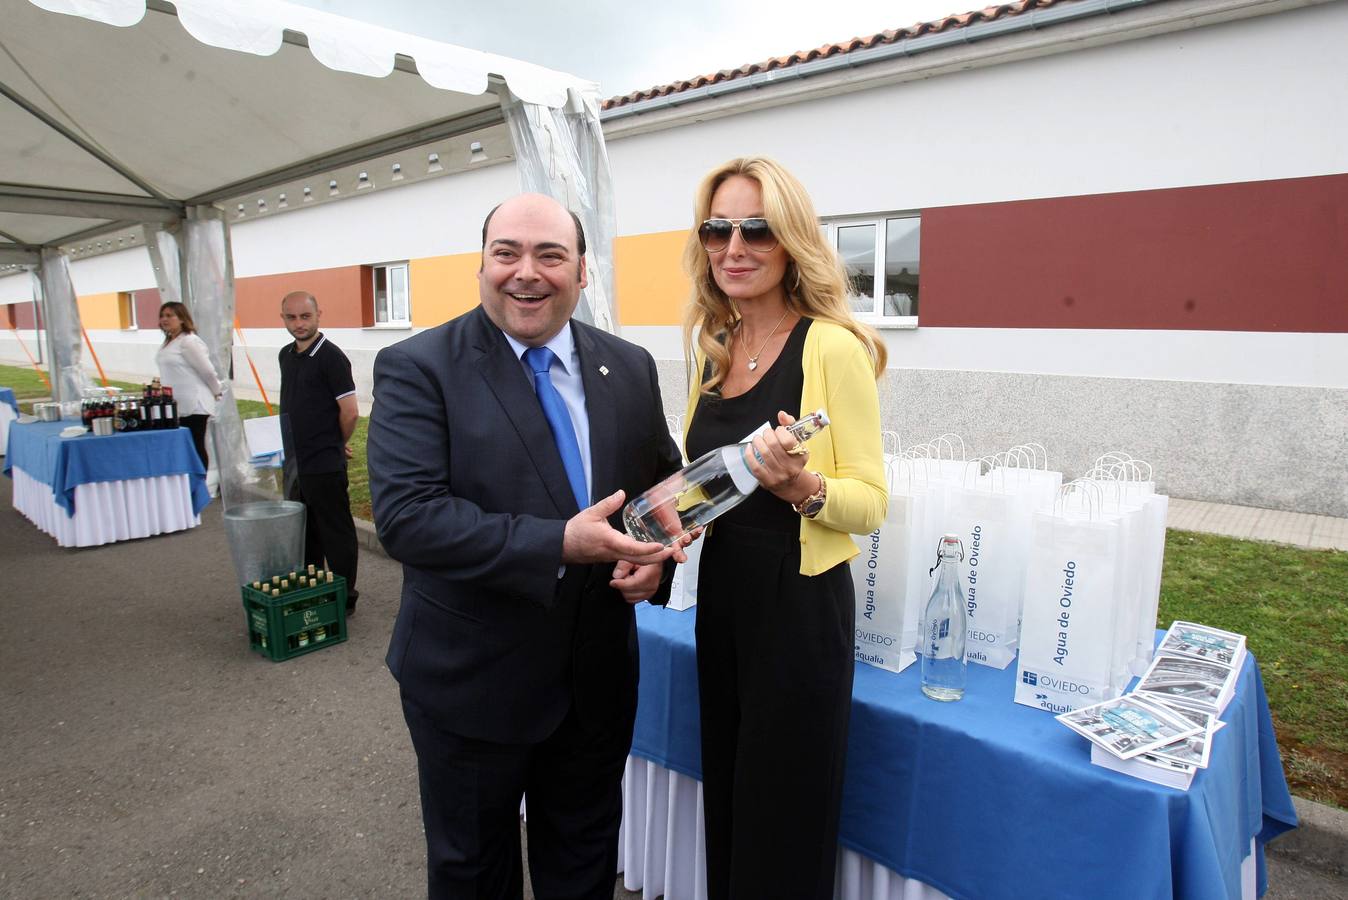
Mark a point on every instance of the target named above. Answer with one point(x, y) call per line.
point(1069, 652)
point(887, 596)
point(992, 523)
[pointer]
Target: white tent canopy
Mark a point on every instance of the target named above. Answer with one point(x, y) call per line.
point(140, 122)
point(222, 100)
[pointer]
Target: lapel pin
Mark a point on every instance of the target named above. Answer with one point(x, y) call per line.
point(603, 370)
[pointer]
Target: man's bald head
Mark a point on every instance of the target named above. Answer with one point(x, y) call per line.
point(299, 297)
point(299, 312)
point(537, 198)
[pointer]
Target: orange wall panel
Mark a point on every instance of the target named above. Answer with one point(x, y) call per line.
point(648, 277)
point(257, 300)
point(442, 287)
point(99, 311)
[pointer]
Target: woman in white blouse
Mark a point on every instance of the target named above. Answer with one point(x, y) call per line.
point(185, 365)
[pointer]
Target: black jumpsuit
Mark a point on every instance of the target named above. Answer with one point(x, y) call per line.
point(774, 662)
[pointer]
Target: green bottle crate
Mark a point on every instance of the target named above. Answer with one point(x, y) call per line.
point(278, 625)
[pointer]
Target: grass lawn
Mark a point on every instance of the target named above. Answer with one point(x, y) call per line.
point(1291, 603)
point(357, 476)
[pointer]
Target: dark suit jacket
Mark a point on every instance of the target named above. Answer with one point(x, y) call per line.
point(471, 496)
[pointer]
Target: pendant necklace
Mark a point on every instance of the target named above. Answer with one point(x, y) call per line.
point(753, 360)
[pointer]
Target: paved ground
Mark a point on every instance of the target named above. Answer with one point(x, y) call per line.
point(1302, 529)
point(147, 753)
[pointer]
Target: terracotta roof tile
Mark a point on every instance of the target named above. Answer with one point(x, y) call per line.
point(864, 42)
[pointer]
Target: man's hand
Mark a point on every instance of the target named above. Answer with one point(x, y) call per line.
point(590, 539)
point(636, 583)
point(346, 448)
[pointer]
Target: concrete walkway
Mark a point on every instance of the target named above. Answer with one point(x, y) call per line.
point(1252, 523)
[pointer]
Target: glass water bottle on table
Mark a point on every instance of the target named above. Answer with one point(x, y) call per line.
point(944, 667)
point(704, 489)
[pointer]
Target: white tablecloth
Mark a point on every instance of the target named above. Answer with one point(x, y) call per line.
point(6, 416)
point(661, 850)
point(108, 511)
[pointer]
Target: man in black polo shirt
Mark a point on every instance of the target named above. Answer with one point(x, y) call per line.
point(318, 415)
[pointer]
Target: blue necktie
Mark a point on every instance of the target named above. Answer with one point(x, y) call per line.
point(540, 359)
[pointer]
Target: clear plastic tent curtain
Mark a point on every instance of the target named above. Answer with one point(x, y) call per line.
point(561, 153)
point(193, 260)
point(62, 311)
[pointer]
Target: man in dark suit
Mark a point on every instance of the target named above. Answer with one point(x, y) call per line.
point(514, 649)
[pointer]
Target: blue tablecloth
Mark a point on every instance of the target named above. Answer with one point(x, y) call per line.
point(7, 396)
point(986, 798)
point(65, 463)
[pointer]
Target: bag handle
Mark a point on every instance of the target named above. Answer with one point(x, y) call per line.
point(1089, 493)
point(987, 465)
point(945, 439)
point(890, 443)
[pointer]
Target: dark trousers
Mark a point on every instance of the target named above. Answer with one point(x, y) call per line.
point(470, 806)
point(329, 531)
point(774, 665)
point(197, 425)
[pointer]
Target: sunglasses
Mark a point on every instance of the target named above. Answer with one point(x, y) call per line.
point(756, 234)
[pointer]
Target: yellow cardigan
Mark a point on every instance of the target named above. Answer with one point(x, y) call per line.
point(840, 378)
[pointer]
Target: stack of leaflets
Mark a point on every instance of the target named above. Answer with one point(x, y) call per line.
point(1197, 666)
point(1163, 730)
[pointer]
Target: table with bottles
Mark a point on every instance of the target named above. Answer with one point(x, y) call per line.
point(9, 411)
point(86, 490)
point(978, 798)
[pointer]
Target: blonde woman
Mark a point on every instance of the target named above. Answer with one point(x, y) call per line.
point(185, 365)
point(771, 336)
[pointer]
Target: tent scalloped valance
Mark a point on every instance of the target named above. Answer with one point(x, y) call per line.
point(344, 45)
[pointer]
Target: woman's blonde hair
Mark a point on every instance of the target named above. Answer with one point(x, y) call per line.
point(815, 281)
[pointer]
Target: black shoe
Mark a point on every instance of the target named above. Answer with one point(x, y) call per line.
point(351, 598)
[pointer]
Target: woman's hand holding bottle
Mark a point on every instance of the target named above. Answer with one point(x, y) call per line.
point(777, 459)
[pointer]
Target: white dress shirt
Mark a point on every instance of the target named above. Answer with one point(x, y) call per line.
point(185, 365)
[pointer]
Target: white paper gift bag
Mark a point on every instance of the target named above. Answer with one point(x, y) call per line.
point(1133, 485)
point(683, 585)
point(886, 608)
point(1067, 633)
point(992, 525)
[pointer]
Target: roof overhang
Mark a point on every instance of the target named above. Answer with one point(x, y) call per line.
point(117, 113)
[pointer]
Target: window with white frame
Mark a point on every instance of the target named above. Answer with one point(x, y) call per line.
point(392, 298)
point(881, 256)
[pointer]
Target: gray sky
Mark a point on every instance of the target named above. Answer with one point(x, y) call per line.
point(628, 45)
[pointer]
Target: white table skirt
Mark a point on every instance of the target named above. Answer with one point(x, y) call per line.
point(108, 511)
point(6, 416)
point(661, 850)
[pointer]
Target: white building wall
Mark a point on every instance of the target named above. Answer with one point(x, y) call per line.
point(1257, 99)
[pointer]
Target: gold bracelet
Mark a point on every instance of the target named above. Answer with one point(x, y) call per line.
point(811, 505)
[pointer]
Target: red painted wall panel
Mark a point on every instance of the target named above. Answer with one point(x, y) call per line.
point(147, 308)
point(258, 299)
point(22, 317)
point(1257, 256)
